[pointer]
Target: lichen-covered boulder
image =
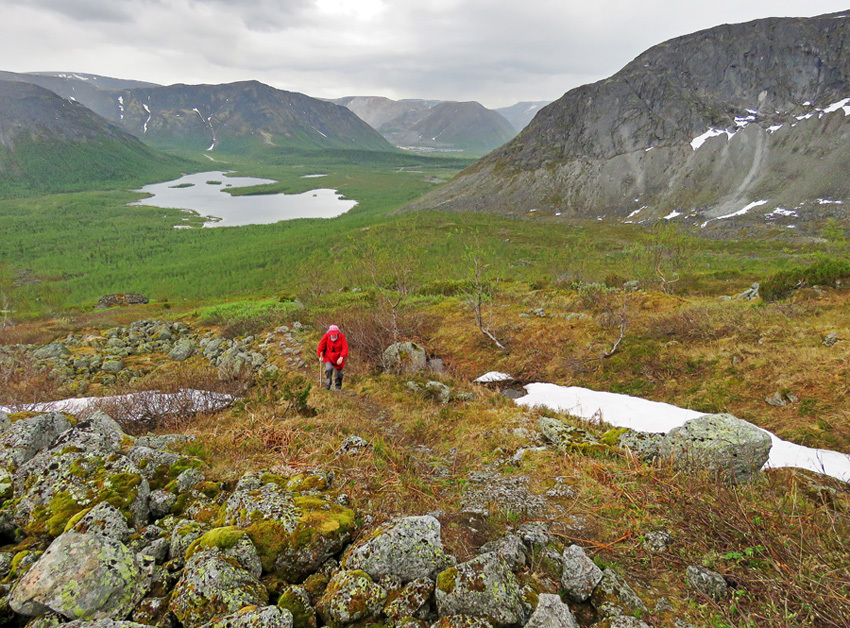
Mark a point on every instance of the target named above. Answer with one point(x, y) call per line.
point(233, 542)
point(214, 586)
point(408, 547)
point(82, 576)
point(268, 617)
point(183, 349)
point(153, 611)
point(183, 535)
point(551, 612)
point(96, 433)
point(580, 574)
point(57, 484)
point(349, 597)
point(296, 600)
point(26, 437)
point(708, 582)
point(625, 621)
point(160, 503)
point(562, 435)
point(482, 587)
point(461, 621)
point(644, 445)
point(720, 443)
point(293, 533)
point(511, 548)
point(406, 357)
point(613, 596)
point(411, 601)
point(103, 623)
point(104, 520)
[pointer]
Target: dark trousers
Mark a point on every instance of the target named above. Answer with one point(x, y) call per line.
point(332, 374)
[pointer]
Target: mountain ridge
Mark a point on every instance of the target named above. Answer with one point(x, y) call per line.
point(625, 143)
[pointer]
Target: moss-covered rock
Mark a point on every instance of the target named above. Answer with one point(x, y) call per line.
point(233, 542)
point(213, 586)
point(294, 534)
point(350, 596)
point(296, 600)
point(81, 576)
point(104, 519)
point(413, 600)
point(55, 486)
point(183, 535)
point(268, 617)
point(482, 587)
point(409, 547)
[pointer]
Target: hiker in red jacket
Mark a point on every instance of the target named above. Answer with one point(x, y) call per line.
point(333, 347)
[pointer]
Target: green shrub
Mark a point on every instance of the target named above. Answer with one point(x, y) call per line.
point(823, 272)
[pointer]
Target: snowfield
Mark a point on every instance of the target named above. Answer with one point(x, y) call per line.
point(652, 416)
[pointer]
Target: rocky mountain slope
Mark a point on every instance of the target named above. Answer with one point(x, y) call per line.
point(520, 114)
point(430, 125)
point(50, 143)
point(702, 127)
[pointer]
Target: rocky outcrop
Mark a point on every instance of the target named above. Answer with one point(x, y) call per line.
point(81, 576)
point(580, 574)
point(408, 548)
point(405, 357)
point(122, 298)
point(551, 612)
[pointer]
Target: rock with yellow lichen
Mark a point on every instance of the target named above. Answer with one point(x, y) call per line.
point(213, 586)
point(350, 597)
point(82, 576)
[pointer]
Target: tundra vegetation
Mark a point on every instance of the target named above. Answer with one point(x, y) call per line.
point(620, 308)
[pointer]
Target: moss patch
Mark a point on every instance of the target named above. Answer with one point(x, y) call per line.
point(447, 580)
point(219, 538)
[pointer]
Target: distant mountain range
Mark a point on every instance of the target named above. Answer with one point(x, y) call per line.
point(747, 121)
point(436, 125)
point(48, 144)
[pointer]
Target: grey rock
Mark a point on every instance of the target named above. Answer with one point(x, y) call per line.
point(624, 621)
point(551, 612)
point(657, 541)
point(644, 445)
point(406, 357)
point(461, 621)
point(349, 597)
point(750, 293)
point(211, 586)
point(25, 438)
point(353, 445)
point(295, 599)
point(160, 503)
point(534, 534)
point(103, 623)
point(268, 617)
point(150, 460)
point(482, 587)
point(241, 550)
point(562, 435)
point(830, 339)
point(409, 548)
point(112, 366)
point(777, 400)
point(183, 535)
point(51, 351)
point(580, 575)
point(411, 601)
point(189, 479)
point(720, 443)
point(439, 391)
point(613, 596)
point(183, 349)
point(81, 576)
point(708, 582)
point(104, 520)
point(163, 441)
point(5, 563)
point(509, 547)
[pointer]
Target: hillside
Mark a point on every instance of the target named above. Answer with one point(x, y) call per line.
point(703, 125)
point(49, 144)
point(239, 116)
point(520, 114)
point(429, 125)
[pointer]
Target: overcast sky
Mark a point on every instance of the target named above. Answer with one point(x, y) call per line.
point(497, 52)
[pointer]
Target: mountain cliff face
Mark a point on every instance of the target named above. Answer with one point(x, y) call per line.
point(432, 125)
point(48, 143)
point(700, 126)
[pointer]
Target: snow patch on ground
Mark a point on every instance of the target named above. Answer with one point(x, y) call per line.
point(494, 376)
point(740, 212)
point(673, 214)
point(652, 416)
point(187, 400)
point(699, 140)
point(145, 127)
point(780, 211)
point(312, 176)
point(827, 201)
point(841, 104)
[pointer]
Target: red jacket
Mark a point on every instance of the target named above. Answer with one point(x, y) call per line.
point(332, 351)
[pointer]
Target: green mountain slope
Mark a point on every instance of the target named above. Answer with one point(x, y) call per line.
point(49, 144)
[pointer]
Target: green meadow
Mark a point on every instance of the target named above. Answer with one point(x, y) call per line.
point(65, 250)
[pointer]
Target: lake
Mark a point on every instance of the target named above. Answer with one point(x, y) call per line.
point(204, 193)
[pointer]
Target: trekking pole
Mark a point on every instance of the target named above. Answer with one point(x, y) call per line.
point(321, 364)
